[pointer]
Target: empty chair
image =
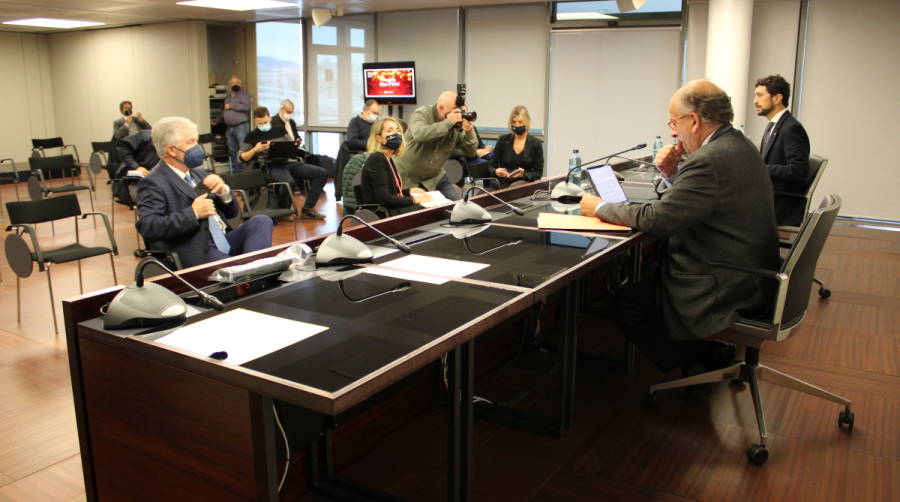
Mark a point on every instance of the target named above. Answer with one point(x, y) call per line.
point(39, 147)
point(274, 199)
point(23, 216)
point(790, 299)
point(39, 189)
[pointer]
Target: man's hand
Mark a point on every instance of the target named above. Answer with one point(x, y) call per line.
point(139, 115)
point(667, 159)
point(143, 170)
point(203, 207)
point(589, 204)
point(227, 106)
point(215, 184)
point(454, 116)
point(262, 146)
point(501, 172)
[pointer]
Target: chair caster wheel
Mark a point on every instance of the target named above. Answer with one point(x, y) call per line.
point(846, 418)
point(824, 293)
point(758, 454)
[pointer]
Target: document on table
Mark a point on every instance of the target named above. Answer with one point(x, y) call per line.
point(416, 267)
point(244, 334)
point(556, 221)
point(437, 198)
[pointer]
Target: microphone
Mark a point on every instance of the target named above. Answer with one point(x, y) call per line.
point(207, 298)
point(340, 249)
point(466, 212)
point(567, 192)
point(150, 305)
point(403, 286)
point(516, 241)
point(639, 161)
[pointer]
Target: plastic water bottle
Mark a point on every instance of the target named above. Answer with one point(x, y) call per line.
point(575, 168)
point(467, 184)
point(657, 146)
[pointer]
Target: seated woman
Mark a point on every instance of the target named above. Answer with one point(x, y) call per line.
point(518, 156)
point(381, 183)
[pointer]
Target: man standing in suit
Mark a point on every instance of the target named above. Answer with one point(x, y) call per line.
point(716, 209)
point(784, 148)
point(181, 206)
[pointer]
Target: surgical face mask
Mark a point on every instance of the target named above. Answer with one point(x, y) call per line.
point(126, 112)
point(519, 129)
point(235, 88)
point(394, 141)
point(288, 116)
point(265, 127)
point(193, 156)
point(372, 117)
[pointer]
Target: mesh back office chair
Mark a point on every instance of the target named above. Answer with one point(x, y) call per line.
point(793, 282)
point(268, 199)
point(23, 215)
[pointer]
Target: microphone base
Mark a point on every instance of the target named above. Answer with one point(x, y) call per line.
point(343, 250)
point(150, 305)
point(469, 213)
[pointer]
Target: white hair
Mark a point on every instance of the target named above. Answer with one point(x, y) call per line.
point(169, 131)
point(287, 102)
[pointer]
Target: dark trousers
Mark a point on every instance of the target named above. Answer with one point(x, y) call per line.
point(637, 310)
point(299, 171)
point(253, 235)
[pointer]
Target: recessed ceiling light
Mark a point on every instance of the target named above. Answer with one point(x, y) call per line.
point(582, 16)
point(46, 22)
point(238, 4)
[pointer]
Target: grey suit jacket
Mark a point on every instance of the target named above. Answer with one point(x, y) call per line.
point(719, 209)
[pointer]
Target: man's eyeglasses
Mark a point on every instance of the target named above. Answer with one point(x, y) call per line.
point(671, 123)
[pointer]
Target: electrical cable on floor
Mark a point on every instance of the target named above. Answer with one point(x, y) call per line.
point(287, 449)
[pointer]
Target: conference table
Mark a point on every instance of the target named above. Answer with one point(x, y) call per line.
point(158, 421)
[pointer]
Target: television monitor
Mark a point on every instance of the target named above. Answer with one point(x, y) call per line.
point(392, 83)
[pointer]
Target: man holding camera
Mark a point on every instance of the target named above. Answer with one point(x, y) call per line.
point(434, 132)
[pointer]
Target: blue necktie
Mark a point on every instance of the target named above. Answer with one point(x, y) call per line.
point(214, 223)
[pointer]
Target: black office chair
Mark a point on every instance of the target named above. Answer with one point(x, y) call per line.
point(791, 296)
point(40, 146)
point(817, 166)
point(64, 165)
point(363, 205)
point(260, 197)
point(23, 215)
point(110, 157)
point(208, 139)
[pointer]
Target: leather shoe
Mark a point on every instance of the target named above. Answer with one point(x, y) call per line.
point(311, 214)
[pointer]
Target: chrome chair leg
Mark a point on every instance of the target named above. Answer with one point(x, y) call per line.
point(715, 376)
point(52, 303)
point(80, 279)
point(757, 402)
point(784, 380)
point(18, 301)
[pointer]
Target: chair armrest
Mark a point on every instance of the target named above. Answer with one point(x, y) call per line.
point(29, 229)
point(15, 169)
point(75, 149)
point(771, 274)
point(109, 231)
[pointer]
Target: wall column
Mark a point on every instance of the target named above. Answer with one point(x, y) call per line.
point(728, 51)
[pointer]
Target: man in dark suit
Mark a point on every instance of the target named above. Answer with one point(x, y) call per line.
point(716, 209)
point(181, 206)
point(784, 148)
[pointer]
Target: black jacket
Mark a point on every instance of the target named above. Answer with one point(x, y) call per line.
point(379, 186)
point(531, 159)
point(788, 161)
point(136, 151)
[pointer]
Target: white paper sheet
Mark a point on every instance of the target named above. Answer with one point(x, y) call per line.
point(416, 267)
point(437, 198)
point(244, 334)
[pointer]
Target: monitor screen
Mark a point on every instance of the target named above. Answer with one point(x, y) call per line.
point(390, 83)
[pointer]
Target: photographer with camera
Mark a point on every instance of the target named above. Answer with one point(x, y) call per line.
point(434, 132)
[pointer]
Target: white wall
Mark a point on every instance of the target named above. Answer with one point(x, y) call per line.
point(506, 62)
point(850, 106)
point(161, 68)
point(609, 90)
point(28, 110)
point(428, 37)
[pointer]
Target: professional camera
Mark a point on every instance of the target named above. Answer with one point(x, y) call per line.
point(461, 101)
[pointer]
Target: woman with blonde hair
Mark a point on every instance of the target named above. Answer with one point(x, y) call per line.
point(518, 155)
point(381, 182)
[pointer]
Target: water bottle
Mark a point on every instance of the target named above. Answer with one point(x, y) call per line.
point(575, 168)
point(467, 184)
point(657, 146)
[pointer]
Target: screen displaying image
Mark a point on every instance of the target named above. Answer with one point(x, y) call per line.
point(390, 83)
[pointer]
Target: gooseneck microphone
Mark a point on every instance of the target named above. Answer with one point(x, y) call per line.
point(516, 241)
point(467, 212)
point(340, 249)
point(207, 298)
point(639, 161)
point(606, 158)
point(403, 286)
point(567, 192)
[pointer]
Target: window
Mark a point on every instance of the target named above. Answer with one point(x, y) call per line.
point(607, 12)
point(335, 75)
point(279, 66)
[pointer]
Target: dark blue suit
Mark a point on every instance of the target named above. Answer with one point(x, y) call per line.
point(787, 158)
point(167, 221)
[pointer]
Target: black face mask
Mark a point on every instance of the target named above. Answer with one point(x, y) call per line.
point(519, 129)
point(126, 112)
point(235, 88)
point(394, 141)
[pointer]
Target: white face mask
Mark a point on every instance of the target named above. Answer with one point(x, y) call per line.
point(372, 117)
point(288, 116)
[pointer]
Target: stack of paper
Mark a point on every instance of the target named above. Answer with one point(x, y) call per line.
point(556, 221)
point(437, 198)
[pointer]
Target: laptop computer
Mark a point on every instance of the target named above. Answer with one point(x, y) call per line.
point(283, 150)
point(607, 186)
